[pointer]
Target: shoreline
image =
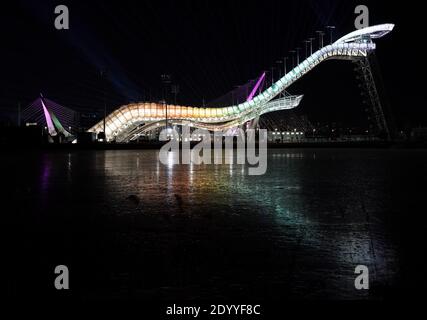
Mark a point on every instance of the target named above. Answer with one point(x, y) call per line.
point(158, 145)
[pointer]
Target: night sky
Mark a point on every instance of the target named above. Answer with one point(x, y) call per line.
point(208, 47)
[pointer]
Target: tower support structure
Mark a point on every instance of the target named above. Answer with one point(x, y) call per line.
point(367, 74)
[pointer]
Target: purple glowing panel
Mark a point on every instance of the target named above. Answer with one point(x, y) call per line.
point(253, 92)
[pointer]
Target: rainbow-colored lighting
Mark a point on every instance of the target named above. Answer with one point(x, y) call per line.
point(137, 117)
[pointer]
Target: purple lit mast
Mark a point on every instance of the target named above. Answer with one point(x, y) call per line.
point(254, 90)
point(49, 121)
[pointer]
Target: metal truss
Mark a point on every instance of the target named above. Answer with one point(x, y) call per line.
point(369, 89)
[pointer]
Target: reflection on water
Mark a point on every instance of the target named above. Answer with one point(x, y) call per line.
point(197, 231)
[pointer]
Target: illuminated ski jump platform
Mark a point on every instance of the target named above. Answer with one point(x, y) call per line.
point(130, 120)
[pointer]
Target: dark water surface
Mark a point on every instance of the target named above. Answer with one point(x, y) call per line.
point(128, 226)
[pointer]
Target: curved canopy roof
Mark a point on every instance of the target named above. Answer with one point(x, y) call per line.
point(374, 32)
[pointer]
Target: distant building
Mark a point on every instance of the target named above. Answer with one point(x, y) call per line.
point(419, 134)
